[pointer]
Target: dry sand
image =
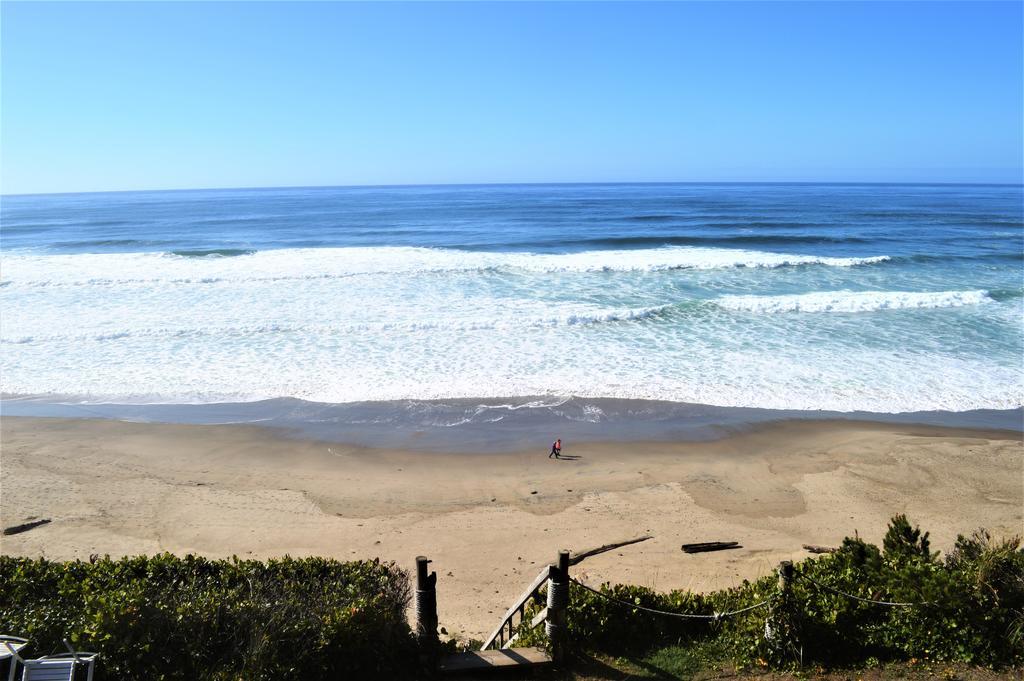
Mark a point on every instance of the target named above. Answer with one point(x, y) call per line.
point(491, 521)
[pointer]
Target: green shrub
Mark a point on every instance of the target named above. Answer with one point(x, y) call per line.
point(165, 617)
point(968, 605)
point(902, 541)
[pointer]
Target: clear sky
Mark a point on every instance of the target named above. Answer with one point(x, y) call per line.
point(143, 95)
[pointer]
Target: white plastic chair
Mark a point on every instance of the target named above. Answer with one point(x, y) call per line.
point(10, 651)
point(60, 667)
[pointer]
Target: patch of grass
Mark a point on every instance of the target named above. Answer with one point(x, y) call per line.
point(687, 661)
point(696, 661)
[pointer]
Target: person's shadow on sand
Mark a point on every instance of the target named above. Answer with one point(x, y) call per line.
point(568, 457)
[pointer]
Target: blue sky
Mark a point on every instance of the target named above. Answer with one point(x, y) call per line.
point(144, 95)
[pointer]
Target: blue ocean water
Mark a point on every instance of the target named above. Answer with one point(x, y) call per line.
point(879, 298)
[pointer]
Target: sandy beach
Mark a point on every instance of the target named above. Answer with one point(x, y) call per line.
point(490, 521)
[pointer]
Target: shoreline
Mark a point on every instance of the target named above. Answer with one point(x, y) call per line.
point(505, 424)
point(491, 521)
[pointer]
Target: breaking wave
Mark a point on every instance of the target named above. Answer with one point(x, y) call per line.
point(108, 269)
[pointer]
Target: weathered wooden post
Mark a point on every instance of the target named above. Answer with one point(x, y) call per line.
point(785, 579)
point(558, 605)
point(780, 627)
point(426, 614)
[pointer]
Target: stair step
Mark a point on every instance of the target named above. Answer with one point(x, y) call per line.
point(495, 659)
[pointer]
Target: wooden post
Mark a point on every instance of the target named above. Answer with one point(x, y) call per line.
point(558, 604)
point(426, 613)
point(781, 626)
point(785, 578)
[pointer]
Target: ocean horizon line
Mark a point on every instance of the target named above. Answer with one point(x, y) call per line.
point(624, 183)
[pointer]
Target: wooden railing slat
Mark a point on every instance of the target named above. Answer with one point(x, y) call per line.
point(537, 583)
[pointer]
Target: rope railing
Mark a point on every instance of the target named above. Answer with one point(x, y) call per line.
point(839, 592)
point(681, 615)
point(721, 615)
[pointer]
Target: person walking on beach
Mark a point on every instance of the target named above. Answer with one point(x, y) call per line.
point(556, 449)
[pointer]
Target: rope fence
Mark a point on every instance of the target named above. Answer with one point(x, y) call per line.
point(715, 617)
point(722, 615)
point(838, 592)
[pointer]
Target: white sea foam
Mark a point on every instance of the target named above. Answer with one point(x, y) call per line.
point(831, 378)
point(508, 322)
point(354, 324)
point(853, 301)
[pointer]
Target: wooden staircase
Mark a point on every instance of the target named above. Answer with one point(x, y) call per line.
point(497, 652)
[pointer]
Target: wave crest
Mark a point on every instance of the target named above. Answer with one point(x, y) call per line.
point(108, 269)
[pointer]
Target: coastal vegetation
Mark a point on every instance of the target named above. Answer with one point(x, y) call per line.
point(859, 605)
point(165, 617)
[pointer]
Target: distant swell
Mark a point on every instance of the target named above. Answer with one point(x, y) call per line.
point(112, 243)
point(1011, 257)
point(769, 240)
point(213, 252)
point(851, 301)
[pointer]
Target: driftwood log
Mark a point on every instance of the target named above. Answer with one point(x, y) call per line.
point(577, 558)
point(702, 547)
point(25, 527)
point(814, 548)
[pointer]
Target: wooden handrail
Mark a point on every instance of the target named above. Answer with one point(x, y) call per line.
point(519, 605)
point(537, 620)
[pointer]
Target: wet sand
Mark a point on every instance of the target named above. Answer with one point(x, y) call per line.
point(491, 521)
